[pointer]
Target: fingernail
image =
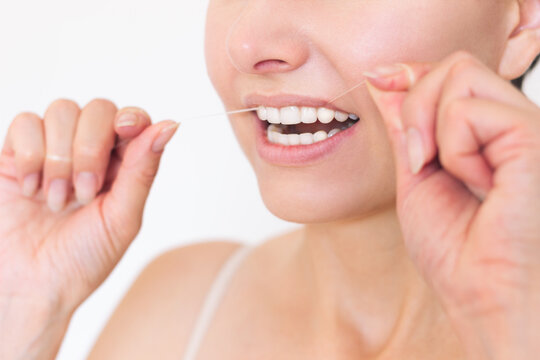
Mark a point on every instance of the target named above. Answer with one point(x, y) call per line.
point(57, 194)
point(126, 119)
point(30, 184)
point(415, 150)
point(164, 136)
point(86, 187)
point(382, 71)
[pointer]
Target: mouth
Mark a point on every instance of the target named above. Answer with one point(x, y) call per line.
point(303, 125)
point(294, 130)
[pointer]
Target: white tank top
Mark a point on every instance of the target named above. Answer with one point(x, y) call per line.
point(212, 301)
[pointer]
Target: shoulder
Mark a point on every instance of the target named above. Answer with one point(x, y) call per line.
point(160, 308)
point(190, 263)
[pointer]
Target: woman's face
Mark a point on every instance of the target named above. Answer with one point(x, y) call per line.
point(289, 54)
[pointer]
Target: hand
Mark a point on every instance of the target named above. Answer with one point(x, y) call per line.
point(467, 151)
point(57, 247)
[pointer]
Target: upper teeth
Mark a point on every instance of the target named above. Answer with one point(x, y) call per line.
point(291, 115)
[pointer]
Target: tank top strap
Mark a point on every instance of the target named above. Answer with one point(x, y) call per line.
point(212, 300)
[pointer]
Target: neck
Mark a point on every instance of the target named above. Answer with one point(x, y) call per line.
point(366, 289)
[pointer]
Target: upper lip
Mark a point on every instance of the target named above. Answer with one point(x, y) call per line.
point(282, 100)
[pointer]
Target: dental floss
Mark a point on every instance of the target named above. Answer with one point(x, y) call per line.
point(346, 92)
point(221, 113)
point(249, 109)
point(198, 117)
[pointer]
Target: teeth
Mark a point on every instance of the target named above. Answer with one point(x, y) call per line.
point(261, 113)
point(309, 115)
point(275, 128)
point(272, 115)
point(306, 138)
point(333, 132)
point(320, 136)
point(290, 115)
point(325, 115)
point(282, 139)
point(341, 117)
point(276, 136)
point(280, 118)
point(294, 139)
point(271, 136)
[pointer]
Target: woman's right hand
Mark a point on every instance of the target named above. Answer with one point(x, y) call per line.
point(61, 233)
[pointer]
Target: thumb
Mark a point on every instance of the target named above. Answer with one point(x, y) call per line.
point(123, 205)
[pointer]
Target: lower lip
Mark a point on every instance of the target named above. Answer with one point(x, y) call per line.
point(297, 155)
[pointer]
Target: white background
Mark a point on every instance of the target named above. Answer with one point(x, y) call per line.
point(147, 54)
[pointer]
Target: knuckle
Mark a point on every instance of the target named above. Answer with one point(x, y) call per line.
point(21, 122)
point(461, 55)
point(30, 156)
point(456, 109)
point(91, 152)
point(25, 117)
point(63, 106)
point(146, 176)
point(101, 103)
point(447, 157)
point(527, 136)
point(29, 162)
point(134, 109)
point(131, 108)
point(461, 68)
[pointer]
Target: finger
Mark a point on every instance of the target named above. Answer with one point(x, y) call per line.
point(129, 123)
point(398, 77)
point(7, 147)
point(478, 137)
point(26, 140)
point(434, 90)
point(92, 146)
point(123, 205)
point(60, 123)
point(470, 79)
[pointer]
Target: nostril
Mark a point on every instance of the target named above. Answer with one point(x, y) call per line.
point(271, 65)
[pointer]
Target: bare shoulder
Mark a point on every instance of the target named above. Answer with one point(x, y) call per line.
point(157, 314)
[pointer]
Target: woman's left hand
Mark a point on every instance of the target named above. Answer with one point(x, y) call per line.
point(468, 196)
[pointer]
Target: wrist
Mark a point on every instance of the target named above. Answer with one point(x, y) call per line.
point(30, 330)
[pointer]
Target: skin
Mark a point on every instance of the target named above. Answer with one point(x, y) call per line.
point(352, 237)
point(354, 282)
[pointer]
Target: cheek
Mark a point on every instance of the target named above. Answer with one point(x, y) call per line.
point(219, 19)
point(419, 30)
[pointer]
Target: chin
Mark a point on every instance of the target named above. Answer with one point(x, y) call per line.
point(314, 202)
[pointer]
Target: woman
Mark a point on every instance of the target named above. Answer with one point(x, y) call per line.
point(422, 233)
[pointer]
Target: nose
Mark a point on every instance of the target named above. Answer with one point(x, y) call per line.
point(267, 38)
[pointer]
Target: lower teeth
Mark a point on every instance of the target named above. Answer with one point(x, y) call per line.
point(275, 135)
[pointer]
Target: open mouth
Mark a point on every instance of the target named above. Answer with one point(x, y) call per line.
point(294, 125)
